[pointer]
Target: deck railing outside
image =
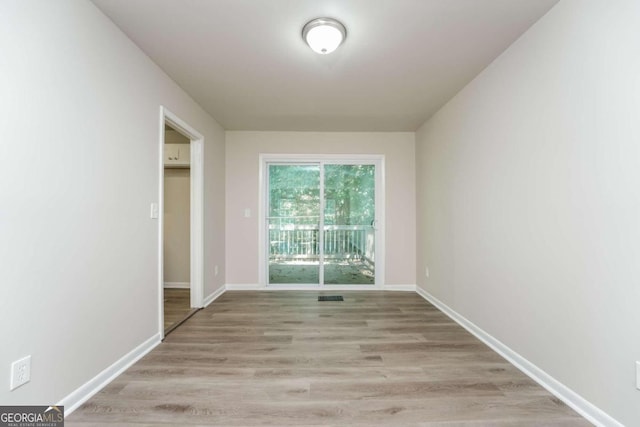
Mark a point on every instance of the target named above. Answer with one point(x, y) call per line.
point(302, 241)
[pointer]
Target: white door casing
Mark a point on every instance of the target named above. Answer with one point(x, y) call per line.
point(196, 211)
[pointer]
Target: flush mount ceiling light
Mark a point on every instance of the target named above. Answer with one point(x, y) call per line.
point(324, 35)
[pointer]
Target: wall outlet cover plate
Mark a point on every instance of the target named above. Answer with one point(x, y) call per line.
point(20, 372)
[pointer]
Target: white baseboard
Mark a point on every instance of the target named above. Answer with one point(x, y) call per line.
point(320, 288)
point(243, 287)
point(97, 383)
point(585, 408)
point(177, 285)
point(214, 296)
point(294, 287)
point(403, 288)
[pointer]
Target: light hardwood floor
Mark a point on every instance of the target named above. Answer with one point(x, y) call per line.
point(285, 359)
point(177, 307)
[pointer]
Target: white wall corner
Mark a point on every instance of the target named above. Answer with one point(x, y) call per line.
point(576, 402)
point(214, 296)
point(83, 393)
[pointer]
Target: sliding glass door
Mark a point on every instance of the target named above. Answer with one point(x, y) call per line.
point(294, 218)
point(321, 223)
point(349, 224)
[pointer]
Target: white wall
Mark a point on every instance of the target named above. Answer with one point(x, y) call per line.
point(174, 137)
point(79, 115)
point(177, 226)
point(242, 153)
point(529, 205)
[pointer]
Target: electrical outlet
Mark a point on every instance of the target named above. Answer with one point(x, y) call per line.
point(426, 271)
point(20, 372)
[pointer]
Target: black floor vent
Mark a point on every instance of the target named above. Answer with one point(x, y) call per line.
point(330, 298)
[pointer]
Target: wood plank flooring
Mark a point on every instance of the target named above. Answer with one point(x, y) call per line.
point(177, 307)
point(285, 359)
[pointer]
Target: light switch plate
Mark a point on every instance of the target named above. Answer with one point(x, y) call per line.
point(638, 375)
point(155, 211)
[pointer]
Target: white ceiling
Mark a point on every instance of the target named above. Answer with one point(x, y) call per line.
point(244, 61)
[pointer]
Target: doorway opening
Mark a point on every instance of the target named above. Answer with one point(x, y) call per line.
point(322, 221)
point(177, 219)
point(181, 222)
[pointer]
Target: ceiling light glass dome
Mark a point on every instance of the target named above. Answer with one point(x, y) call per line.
point(324, 35)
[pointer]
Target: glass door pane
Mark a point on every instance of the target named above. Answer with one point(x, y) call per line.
point(293, 224)
point(349, 224)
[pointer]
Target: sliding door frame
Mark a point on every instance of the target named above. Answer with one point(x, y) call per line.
point(321, 159)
